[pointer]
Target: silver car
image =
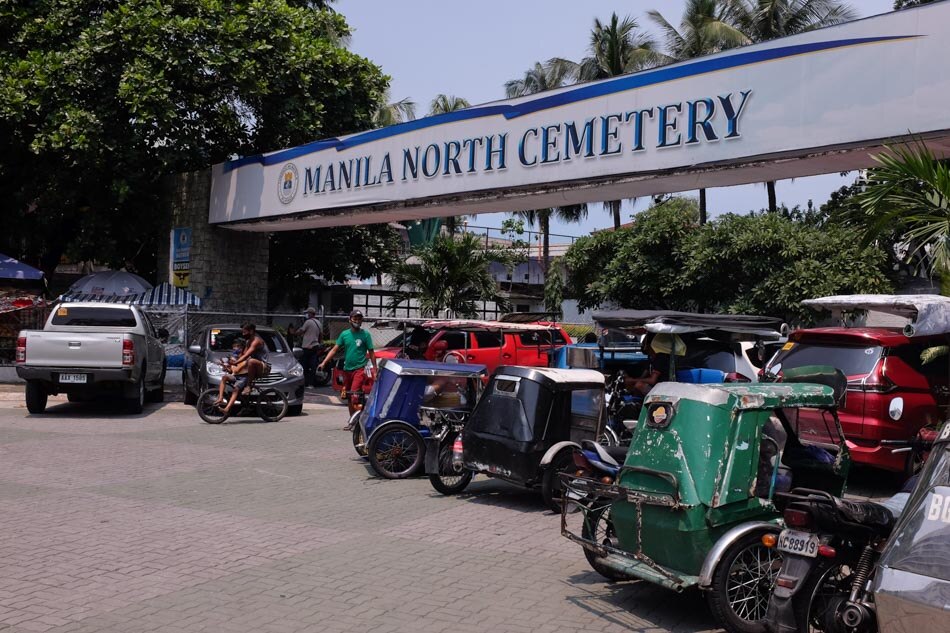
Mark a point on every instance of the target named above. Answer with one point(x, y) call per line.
point(213, 342)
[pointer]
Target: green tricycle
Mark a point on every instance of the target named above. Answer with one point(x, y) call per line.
point(691, 501)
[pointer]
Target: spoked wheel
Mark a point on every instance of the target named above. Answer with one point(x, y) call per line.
point(608, 437)
point(598, 527)
point(207, 410)
point(271, 405)
point(359, 442)
point(742, 585)
point(450, 480)
point(818, 603)
point(396, 451)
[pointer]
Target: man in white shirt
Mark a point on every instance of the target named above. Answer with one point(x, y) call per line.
point(311, 333)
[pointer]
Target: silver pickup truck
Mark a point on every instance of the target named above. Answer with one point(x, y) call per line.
point(87, 349)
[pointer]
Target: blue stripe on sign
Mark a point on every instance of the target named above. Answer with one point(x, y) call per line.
point(588, 91)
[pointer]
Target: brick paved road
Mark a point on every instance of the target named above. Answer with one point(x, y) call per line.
point(158, 522)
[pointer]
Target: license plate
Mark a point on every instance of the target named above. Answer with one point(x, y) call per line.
point(76, 379)
point(801, 543)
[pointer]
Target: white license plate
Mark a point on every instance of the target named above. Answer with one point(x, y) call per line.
point(76, 379)
point(801, 543)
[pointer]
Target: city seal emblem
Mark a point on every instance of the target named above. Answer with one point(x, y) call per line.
point(287, 183)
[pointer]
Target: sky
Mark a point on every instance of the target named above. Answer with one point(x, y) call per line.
point(471, 48)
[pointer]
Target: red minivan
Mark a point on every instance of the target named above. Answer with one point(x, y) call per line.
point(896, 385)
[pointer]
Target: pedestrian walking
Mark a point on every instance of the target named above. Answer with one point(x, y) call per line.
point(357, 344)
point(311, 335)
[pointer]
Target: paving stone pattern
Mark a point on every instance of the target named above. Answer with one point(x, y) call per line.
point(158, 522)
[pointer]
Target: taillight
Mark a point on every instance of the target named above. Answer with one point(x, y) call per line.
point(735, 377)
point(877, 381)
point(128, 352)
point(797, 518)
point(21, 349)
point(827, 551)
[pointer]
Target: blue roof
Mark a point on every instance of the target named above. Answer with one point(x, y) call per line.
point(15, 269)
point(404, 366)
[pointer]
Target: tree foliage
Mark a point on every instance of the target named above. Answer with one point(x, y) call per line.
point(452, 273)
point(764, 264)
point(100, 100)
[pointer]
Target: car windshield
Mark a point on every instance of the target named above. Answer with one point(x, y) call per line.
point(852, 360)
point(221, 340)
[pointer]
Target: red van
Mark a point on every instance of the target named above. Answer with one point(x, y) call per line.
point(488, 343)
point(896, 384)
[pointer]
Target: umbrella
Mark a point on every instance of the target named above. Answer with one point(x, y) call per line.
point(14, 269)
point(110, 283)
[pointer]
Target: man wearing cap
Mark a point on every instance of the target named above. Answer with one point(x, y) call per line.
point(357, 344)
point(310, 333)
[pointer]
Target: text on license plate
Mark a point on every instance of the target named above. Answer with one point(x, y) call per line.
point(73, 378)
point(801, 543)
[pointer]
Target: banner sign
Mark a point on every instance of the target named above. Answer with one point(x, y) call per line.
point(181, 257)
point(812, 103)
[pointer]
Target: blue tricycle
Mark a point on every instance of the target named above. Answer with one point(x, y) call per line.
point(389, 431)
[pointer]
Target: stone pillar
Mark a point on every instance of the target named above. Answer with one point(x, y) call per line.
point(228, 267)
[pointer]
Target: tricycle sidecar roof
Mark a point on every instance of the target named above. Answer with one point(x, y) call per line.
point(739, 396)
point(553, 378)
point(673, 322)
point(927, 314)
point(406, 367)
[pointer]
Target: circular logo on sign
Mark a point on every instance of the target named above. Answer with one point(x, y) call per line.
point(287, 183)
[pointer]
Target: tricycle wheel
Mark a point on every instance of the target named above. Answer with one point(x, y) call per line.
point(207, 410)
point(449, 481)
point(742, 585)
point(551, 486)
point(598, 527)
point(359, 442)
point(395, 451)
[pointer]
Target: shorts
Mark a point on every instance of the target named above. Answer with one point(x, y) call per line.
point(240, 382)
point(353, 383)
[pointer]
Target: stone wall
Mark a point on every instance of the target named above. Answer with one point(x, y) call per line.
point(228, 267)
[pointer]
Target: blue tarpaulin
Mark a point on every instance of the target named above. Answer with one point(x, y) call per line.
point(14, 269)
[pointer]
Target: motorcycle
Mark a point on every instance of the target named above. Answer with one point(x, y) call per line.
point(622, 407)
point(831, 551)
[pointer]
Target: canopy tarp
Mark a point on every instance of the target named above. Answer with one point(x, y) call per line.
point(672, 322)
point(14, 269)
point(928, 314)
point(166, 294)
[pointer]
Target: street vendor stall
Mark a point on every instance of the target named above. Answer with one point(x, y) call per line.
point(22, 302)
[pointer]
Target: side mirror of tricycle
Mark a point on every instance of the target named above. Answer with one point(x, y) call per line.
point(630, 425)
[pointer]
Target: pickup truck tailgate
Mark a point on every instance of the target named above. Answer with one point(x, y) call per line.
point(73, 349)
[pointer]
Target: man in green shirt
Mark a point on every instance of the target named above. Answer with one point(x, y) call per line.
point(357, 344)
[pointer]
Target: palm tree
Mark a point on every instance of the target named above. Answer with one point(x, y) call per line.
point(452, 273)
point(393, 112)
point(617, 48)
point(440, 105)
point(705, 28)
point(910, 193)
point(763, 20)
point(554, 73)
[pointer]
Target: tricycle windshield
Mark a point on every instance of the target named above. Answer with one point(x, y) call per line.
point(408, 393)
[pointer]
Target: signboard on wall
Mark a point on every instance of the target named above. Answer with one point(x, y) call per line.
point(812, 103)
point(181, 257)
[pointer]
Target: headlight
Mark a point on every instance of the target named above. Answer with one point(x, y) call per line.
point(214, 369)
point(296, 370)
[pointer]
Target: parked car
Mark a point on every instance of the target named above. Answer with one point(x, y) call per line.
point(897, 384)
point(489, 343)
point(86, 349)
point(213, 342)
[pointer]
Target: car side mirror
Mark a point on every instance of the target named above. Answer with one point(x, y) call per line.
point(298, 353)
point(194, 349)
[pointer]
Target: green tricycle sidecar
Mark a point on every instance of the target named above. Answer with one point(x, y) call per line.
point(693, 499)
